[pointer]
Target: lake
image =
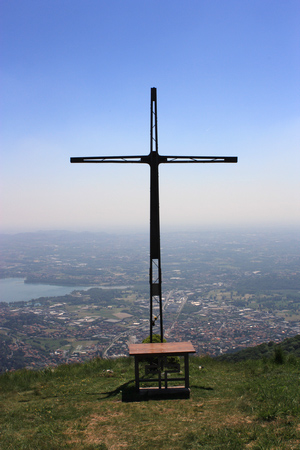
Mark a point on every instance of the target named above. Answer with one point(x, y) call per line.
point(15, 290)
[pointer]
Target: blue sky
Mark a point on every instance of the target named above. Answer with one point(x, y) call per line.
point(75, 81)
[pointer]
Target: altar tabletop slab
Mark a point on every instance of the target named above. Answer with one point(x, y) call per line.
point(161, 348)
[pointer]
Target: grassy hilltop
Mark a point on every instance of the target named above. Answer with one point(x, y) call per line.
point(250, 404)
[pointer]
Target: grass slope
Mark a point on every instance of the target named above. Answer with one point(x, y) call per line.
point(245, 405)
point(289, 349)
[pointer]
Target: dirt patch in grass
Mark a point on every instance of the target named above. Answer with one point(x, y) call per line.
point(100, 429)
point(97, 429)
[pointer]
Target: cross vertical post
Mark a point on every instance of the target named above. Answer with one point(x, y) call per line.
point(155, 262)
point(154, 159)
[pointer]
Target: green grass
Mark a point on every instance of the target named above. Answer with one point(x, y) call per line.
point(246, 405)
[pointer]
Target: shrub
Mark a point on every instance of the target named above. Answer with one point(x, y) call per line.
point(171, 360)
point(279, 357)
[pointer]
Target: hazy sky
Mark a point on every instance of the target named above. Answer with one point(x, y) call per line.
point(75, 81)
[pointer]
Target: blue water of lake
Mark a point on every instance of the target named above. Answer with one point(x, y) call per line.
point(15, 290)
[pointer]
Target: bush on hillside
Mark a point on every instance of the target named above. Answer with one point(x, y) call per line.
point(171, 360)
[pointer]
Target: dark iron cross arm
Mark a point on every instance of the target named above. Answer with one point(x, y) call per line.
point(147, 159)
point(107, 159)
point(154, 159)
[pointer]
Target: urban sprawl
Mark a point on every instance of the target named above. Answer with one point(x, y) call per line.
point(222, 294)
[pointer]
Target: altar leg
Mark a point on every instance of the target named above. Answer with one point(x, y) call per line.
point(186, 370)
point(137, 373)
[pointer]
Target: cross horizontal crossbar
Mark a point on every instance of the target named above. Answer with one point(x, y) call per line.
point(161, 159)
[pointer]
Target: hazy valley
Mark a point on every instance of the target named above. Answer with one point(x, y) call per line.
point(222, 290)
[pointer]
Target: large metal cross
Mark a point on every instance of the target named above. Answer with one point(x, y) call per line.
point(154, 159)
